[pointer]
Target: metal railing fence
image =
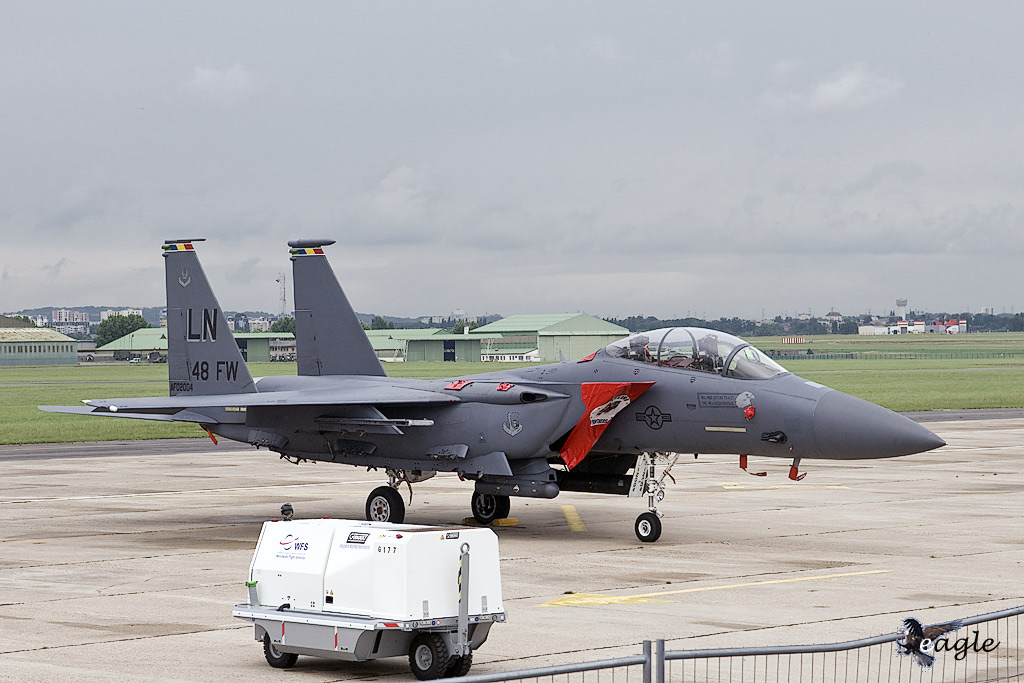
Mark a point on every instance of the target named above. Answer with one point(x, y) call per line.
point(992, 652)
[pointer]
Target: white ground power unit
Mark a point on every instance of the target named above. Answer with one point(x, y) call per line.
point(364, 590)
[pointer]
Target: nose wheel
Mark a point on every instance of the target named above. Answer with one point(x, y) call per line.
point(647, 482)
point(648, 527)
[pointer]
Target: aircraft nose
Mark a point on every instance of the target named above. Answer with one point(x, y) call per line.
point(848, 428)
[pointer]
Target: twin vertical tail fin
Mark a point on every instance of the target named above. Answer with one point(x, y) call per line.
point(329, 338)
point(202, 355)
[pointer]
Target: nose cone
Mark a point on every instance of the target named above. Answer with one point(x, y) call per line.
point(848, 428)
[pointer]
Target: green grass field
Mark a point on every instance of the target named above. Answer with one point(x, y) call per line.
point(23, 389)
point(942, 375)
point(926, 344)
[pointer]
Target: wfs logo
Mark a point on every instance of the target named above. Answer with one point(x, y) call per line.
point(290, 542)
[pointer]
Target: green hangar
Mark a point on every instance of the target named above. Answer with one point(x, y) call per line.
point(545, 338)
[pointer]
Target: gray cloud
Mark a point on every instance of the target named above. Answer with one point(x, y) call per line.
point(854, 86)
point(529, 157)
point(228, 85)
point(718, 62)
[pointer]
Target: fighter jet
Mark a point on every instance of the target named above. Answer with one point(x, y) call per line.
point(614, 422)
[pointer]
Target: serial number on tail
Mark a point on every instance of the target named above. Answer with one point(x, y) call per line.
point(222, 370)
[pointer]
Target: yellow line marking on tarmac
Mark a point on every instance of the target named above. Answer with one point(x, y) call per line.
point(573, 518)
point(586, 599)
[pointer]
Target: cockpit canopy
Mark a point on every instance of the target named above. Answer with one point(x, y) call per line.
point(696, 348)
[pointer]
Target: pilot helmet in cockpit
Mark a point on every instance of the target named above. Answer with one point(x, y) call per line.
point(638, 348)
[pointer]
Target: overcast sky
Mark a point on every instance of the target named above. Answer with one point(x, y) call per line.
point(657, 158)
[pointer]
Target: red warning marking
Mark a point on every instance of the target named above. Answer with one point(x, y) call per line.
point(505, 386)
point(587, 358)
point(602, 401)
point(459, 384)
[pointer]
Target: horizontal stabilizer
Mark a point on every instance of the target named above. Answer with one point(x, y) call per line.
point(164, 408)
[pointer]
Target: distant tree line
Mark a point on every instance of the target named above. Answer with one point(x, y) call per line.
point(117, 326)
point(779, 326)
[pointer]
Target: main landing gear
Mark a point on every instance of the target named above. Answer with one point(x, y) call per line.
point(385, 504)
point(488, 507)
point(646, 481)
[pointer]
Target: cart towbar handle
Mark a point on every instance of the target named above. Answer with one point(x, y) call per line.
point(463, 645)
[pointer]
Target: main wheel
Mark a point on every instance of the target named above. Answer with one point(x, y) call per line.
point(489, 507)
point(385, 504)
point(428, 656)
point(459, 666)
point(276, 658)
point(504, 507)
point(648, 527)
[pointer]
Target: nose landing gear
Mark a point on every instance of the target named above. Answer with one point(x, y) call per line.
point(646, 481)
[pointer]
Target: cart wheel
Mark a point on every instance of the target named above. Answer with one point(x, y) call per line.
point(459, 666)
point(385, 504)
point(276, 659)
point(428, 656)
point(487, 507)
point(648, 527)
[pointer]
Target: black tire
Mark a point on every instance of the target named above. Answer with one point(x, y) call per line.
point(504, 507)
point(488, 507)
point(459, 666)
point(385, 504)
point(276, 658)
point(428, 656)
point(648, 527)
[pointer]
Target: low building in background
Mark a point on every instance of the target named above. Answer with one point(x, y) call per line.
point(546, 338)
point(36, 346)
point(124, 312)
point(150, 343)
point(430, 344)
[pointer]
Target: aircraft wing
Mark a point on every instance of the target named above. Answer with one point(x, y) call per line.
point(184, 408)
